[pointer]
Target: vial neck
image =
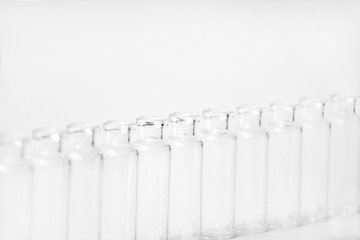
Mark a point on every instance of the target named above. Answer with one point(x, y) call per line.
point(248, 120)
point(183, 129)
point(344, 106)
point(150, 132)
point(80, 140)
point(117, 137)
point(283, 115)
point(217, 124)
point(47, 146)
point(312, 111)
point(9, 152)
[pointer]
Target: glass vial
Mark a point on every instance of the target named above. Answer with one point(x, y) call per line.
point(344, 181)
point(218, 175)
point(251, 171)
point(284, 167)
point(50, 175)
point(15, 186)
point(357, 106)
point(315, 160)
point(118, 198)
point(153, 179)
point(185, 176)
point(85, 182)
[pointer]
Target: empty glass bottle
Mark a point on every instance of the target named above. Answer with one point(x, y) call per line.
point(153, 179)
point(118, 198)
point(50, 175)
point(284, 167)
point(251, 171)
point(315, 159)
point(85, 182)
point(185, 176)
point(15, 186)
point(344, 178)
point(218, 175)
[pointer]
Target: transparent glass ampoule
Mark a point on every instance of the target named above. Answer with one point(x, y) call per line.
point(185, 176)
point(85, 182)
point(284, 167)
point(218, 175)
point(315, 159)
point(251, 171)
point(118, 198)
point(344, 176)
point(15, 191)
point(50, 178)
point(153, 179)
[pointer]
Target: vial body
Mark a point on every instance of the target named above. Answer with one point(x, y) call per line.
point(344, 181)
point(185, 177)
point(15, 192)
point(50, 178)
point(284, 168)
point(118, 198)
point(315, 160)
point(85, 183)
point(218, 176)
point(251, 172)
point(152, 181)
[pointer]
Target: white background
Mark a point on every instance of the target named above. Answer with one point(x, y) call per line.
point(71, 61)
point(91, 61)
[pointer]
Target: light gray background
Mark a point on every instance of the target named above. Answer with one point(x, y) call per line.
point(91, 61)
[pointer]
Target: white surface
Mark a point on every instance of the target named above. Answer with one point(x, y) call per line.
point(342, 228)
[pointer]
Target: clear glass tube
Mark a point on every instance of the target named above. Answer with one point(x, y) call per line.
point(251, 171)
point(85, 182)
point(344, 179)
point(284, 167)
point(218, 175)
point(185, 176)
point(315, 159)
point(153, 179)
point(50, 176)
point(15, 186)
point(118, 198)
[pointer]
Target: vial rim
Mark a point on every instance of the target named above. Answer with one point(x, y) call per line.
point(18, 141)
point(344, 96)
point(253, 109)
point(80, 128)
point(314, 101)
point(151, 121)
point(184, 117)
point(283, 105)
point(218, 113)
point(117, 125)
point(46, 133)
